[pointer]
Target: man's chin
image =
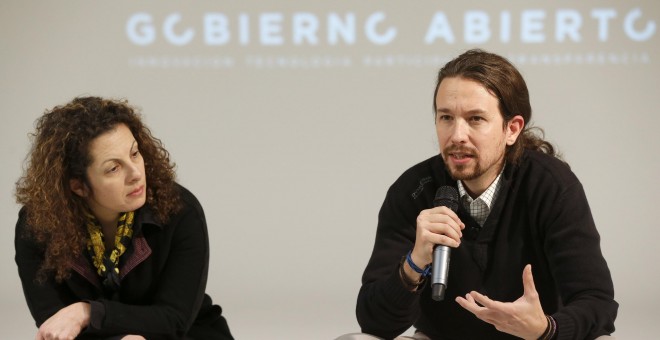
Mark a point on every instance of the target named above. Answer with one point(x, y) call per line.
point(461, 174)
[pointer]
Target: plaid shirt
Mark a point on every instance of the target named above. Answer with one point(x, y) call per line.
point(479, 208)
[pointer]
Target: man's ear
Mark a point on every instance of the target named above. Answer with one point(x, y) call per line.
point(514, 127)
point(78, 187)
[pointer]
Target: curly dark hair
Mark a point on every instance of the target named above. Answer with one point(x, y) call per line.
point(60, 152)
point(503, 80)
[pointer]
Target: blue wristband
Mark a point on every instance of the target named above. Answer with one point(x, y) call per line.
point(426, 272)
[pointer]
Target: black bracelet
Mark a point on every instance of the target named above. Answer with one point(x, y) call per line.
point(550, 330)
point(407, 283)
point(553, 331)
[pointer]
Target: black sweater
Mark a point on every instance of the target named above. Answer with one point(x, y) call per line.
point(541, 217)
point(163, 281)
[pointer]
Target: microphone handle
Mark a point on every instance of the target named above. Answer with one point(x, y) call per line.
point(440, 269)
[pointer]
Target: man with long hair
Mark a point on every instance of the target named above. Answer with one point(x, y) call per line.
point(525, 260)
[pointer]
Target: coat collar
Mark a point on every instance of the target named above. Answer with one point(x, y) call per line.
point(138, 253)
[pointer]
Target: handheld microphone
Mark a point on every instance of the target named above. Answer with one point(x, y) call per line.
point(446, 196)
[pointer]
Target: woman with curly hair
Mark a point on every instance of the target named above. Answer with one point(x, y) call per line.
point(108, 245)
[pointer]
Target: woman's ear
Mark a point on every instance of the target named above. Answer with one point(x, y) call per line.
point(78, 187)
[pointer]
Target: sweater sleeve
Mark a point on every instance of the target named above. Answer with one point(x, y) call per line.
point(43, 299)
point(384, 306)
point(572, 245)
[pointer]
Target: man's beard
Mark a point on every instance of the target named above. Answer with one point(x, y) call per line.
point(468, 172)
point(463, 172)
point(459, 174)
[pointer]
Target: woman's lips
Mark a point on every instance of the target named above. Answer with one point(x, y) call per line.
point(137, 192)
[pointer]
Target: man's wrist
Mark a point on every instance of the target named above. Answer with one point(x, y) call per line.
point(550, 329)
point(410, 279)
point(424, 272)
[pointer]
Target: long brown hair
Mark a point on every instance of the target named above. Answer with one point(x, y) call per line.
point(60, 152)
point(503, 80)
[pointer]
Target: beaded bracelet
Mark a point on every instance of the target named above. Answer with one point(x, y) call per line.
point(426, 272)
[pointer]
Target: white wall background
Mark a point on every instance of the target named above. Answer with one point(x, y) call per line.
point(292, 162)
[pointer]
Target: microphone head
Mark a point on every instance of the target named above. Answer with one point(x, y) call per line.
point(446, 196)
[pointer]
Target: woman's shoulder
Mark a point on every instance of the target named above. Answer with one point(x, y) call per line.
point(187, 197)
point(21, 223)
point(187, 205)
point(189, 202)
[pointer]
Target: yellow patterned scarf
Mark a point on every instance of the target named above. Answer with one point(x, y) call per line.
point(107, 262)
